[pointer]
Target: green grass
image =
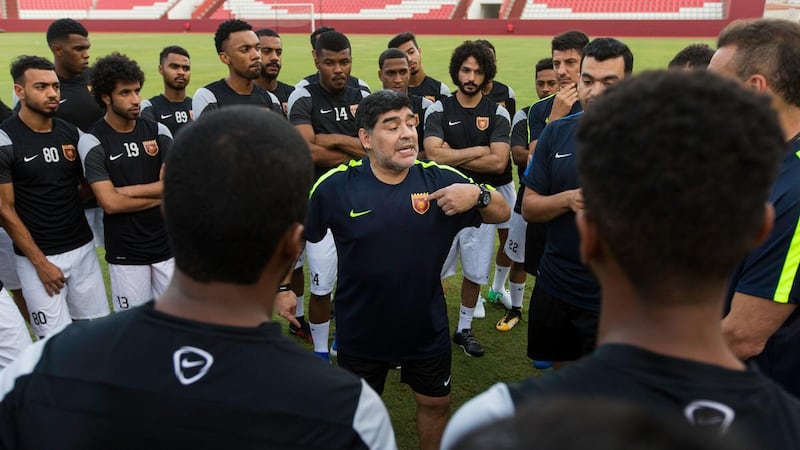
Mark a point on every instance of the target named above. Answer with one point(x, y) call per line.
point(505, 358)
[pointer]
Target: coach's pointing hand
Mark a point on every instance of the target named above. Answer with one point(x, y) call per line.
point(456, 198)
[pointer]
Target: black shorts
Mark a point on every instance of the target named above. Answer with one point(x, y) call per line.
point(429, 377)
point(535, 238)
point(558, 331)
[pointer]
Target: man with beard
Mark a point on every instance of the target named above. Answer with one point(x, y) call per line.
point(393, 71)
point(123, 158)
point(419, 83)
point(471, 132)
point(388, 203)
point(40, 174)
point(565, 302)
point(324, 114)
point(173, 107)
point(271, 54)
point(239, 49)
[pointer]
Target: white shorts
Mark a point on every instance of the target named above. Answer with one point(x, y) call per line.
point(515, 244)
point(476, 247)
point(8, 263)
point(95, 218)
point(509, 193)
point(322, 264)
point(134, 285)
point(14, 335)
point(83, 297)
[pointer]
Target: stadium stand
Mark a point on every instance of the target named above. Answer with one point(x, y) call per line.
point(624, 9)
point(343, 9)
point(94, 9)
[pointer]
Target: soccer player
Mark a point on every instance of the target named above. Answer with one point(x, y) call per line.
point(546, 80)
point(204, 365)
point(123, 159)
point(668, 215)
point(762, 319)
point(68, 39)
point(393, 71)
point(271, 63)
point(173, 107)
point(324, 114)
point(14, 336)
point(694, 56)
point(352, 81)
point(504, 96)
point(238, 48)
point(40, 175)
point(362, 202)
point(565, 302)
point(471, 132)
point(420, 83)
point(515, 242)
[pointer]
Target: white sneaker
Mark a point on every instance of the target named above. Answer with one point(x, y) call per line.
point(480, 310)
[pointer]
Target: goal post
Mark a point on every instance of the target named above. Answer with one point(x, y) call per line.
point(281, 17)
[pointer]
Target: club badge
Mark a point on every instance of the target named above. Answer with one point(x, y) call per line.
point(420, 202)
point(150, 147)
point(482, 122)
point(69, 151)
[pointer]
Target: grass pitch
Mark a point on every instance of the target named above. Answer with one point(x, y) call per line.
point(505, 358)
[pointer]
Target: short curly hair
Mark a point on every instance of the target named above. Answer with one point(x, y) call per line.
point(673, 205)
point(226, 28)
point(110, 69)
point(481, 53)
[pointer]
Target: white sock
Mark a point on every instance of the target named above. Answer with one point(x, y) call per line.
point(517, 294)
point(319, 334)
point(500, 276)
point(300, 312)
point(465, 318)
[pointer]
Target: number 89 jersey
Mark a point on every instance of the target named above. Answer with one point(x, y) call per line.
point(127, 159)
point(45, 171)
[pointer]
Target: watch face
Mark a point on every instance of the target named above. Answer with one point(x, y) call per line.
point(484, 198)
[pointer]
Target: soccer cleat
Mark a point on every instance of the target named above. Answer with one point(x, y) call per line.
point(509, 320)
point(334, 348)
point(503, 297)
point(480, 309)
point(468, 342)
point(303, 331)
point(543, 365)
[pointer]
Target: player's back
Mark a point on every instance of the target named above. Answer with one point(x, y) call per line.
point(144, 379)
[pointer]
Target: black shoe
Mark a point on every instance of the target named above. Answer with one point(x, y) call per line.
point(468, 342)
point(303, 331)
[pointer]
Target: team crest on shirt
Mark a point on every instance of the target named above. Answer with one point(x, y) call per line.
point(69, 151)
point(420, 202)
point(353, 109)
point(416, 119)
point(150, 147)
point(482, 122)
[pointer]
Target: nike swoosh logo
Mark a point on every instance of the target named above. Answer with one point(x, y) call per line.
point(62, 100)
point(454, 123)
point(166, 117)
point(354, 214)
point(186, 364)
point(113, 157)
point(447, 382)
point(325, 111)
point(559, 155)
point(31, 158)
